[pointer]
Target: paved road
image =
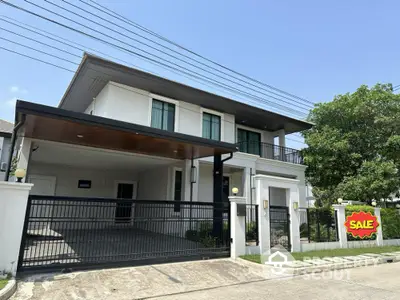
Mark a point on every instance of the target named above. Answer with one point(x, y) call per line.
point(374, 282)
point(214, 279)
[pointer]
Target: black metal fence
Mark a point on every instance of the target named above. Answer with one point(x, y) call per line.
point(271, 151)
point(73, 232)
point(252, 224)
point(318, 225)
point(280, 226)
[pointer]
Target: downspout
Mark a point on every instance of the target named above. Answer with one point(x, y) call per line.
point(13, 140)
point(228, 158)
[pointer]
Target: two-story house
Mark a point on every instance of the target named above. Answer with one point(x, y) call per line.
point(5, 142)
point(173, 150)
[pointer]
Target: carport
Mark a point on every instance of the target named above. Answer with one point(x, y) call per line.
point(65, 230)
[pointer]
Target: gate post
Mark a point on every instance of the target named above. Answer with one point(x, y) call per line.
point(13, 203)
point(379, 234)
point(294, 219)
point(341, 219)
point(238, 227)
point(262, 200)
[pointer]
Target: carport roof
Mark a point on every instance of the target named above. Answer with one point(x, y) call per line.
point(95, 72)
point(60, 125)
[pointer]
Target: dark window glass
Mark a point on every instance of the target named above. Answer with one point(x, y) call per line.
point(211, 127)
point(249, 141)
point(178, 190)
point(163, 115)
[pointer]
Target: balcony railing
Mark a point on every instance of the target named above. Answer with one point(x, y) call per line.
point(271, 151)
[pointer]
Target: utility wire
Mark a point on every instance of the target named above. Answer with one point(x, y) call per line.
point(36, 41)
point(34, 58)
point(104, 73)
point(214, 82)
point(179, 53)
point(138, 26)
point(156, 49)
point(84, 48)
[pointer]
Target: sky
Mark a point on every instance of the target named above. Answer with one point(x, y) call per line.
point(312, 49)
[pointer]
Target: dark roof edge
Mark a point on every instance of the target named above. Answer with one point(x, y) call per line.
point(24, 107)
point(5, 134)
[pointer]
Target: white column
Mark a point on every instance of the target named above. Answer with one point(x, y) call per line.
point(282, 138)
point(246, 186)
point(13, 200)
point(238, 228)
point(24, 155)
point(262, 199)
point(293, 194)
point(341, 219)
point(379, 234)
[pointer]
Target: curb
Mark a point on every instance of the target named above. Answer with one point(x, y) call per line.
point(9, 289)
point(310, 268)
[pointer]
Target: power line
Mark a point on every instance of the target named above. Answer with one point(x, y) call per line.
point(136, 25)
point(154, 48)
point(36, 41)
point(204, 78)
point(60, 67)
point(34, 58)
point(93, 50)
point(172, 50)
point(40, 51)
point(105, 73)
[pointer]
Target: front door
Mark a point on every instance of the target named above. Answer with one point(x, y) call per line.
point(123, 211)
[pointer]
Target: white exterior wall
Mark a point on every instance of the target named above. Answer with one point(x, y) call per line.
point(5, 145)
point(103, 182)
point(153, 184)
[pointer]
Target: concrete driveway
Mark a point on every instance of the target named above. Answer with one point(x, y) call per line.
point(135, 282)
point(213, 279)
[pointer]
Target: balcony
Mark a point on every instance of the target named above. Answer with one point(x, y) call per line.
point(271, 151)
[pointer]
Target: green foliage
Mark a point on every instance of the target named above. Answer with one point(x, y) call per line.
point(354, 146)
point(390, 223)
point(251, 231)
point(203, 234)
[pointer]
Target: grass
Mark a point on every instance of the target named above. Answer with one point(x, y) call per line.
point(330, 253)
point(3, 282)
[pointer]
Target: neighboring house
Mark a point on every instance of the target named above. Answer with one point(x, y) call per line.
point(5, 142)
point(122, 133)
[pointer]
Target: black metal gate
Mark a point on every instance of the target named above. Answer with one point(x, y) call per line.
point(65, 232)
point(280, 226)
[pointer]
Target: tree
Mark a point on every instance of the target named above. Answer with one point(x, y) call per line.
point(354, 148)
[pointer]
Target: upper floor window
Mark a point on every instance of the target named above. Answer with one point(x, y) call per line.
point(249, 141)
point(163, 115)
point(211, 127)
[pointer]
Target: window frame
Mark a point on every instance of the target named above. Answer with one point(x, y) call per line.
point(167, 100)
point(249, 129)
point(177, 206)
point(216, 113)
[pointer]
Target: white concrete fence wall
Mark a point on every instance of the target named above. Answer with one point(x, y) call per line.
point(13, 202)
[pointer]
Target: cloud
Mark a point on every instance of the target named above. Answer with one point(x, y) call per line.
point(17, 90)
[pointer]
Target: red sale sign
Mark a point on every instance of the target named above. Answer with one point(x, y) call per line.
point(361, 224)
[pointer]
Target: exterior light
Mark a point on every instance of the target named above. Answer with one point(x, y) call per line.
point(235, 191)
point(340, 200)
point(265, 202)
point(193, 174)
point(373, 203)
point(79, 136)
point(295, 205)
point(20, 173)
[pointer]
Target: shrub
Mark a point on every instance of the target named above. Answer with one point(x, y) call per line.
point(251, 231)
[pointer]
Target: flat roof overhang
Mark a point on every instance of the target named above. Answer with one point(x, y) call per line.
point(95, 72)
point(59, 125)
